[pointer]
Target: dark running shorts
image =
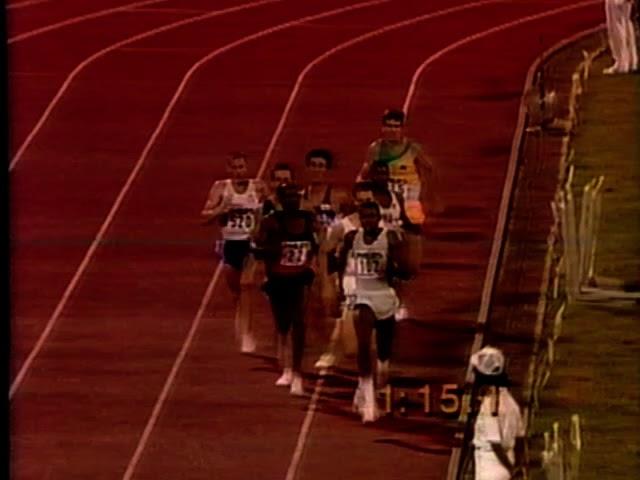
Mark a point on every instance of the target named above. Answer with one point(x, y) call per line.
point(235, 252)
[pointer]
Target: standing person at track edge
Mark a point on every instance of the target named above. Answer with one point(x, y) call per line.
point(499, 428)
point(286, 242)
point(622, 36)
point(373, 255)
point(236, 203)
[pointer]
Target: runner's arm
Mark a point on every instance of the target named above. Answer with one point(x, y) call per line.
point(372, 156)
point(262, 190)
point(398, 256)
point(331, 243)
point(214, 206)
point(342, 201)
point(429, 193)
point(264, 245)
point(343, 254)
point(407, 225)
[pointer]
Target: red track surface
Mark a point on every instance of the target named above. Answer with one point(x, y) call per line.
point(88, 395)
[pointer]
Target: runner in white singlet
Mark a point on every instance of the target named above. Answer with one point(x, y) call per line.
point(236, 203)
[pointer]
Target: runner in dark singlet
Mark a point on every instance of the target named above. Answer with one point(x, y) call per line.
point(286, 242)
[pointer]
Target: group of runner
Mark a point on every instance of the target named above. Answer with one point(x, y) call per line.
point(350, 251)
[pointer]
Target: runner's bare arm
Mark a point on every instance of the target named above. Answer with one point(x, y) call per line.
point(429, 193)
point(398, 256)
point(342, 201)
point(335, 237)
point(214, 206)
point(343, 254)
point(262, 189)
point(265, 244)
point(372, 156)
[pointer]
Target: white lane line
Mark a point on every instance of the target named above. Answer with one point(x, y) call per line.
point(168, 10)
point(86, 62)
point(350, 43)
point(28, 3)
point(107, 222)
point(79, 19)
point(304, 431)
point(172, 374)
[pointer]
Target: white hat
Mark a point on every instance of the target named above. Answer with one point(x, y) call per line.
point(488, 361)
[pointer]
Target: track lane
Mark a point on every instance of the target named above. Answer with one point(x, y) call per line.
point(121, 328)
point(39, 66)
point(153, 268)
point(50, 15)
point(55, 210)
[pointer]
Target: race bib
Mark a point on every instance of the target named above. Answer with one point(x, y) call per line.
point(390, 219)
point(398, 186)
point(325, 215)
point(241, 221)
point(295, 254)
point(369, 264)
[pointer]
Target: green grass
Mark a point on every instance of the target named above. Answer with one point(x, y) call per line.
point(597, 370)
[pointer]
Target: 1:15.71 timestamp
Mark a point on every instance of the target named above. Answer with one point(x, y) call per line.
point(431, 399)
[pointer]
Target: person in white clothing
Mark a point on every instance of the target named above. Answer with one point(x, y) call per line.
point(622, 36)
point(373, 255)
point(498, 424)
point(362, 192)
point(236, 203)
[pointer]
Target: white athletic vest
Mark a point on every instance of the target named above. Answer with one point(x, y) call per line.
point(368, 263)
point(242, 214)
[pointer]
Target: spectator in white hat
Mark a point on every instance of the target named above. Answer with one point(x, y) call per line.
point(498, 423)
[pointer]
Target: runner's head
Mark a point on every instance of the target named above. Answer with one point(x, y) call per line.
point(393, 125)
point(379, 173)
point(318, 161)
point(237, 165)
point(362, 192)
point(289, 197)
point(281, 174)
point(369, 214)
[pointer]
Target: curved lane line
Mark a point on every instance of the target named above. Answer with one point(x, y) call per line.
point(82, 65)
point(96, 241)
point(78, 19)
point(28, 3)
point(350, 43)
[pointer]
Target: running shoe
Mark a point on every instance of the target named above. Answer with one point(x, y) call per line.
point(326, 360)
point(248, 343)
point(296, 385)
point(285, 379)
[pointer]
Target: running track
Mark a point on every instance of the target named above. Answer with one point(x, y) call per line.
point(86, 398)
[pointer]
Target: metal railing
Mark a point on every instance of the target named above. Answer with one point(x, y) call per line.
point(562, 451)
point(561, 458)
